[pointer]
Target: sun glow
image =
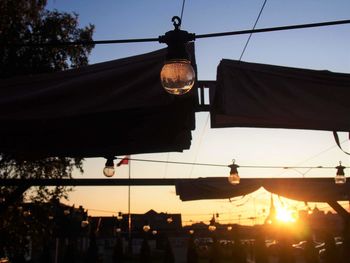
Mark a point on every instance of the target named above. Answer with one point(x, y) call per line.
point(286, 215)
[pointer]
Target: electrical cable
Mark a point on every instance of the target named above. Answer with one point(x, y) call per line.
point(224, 165)
point(182, 9)
point(312, 157)
point(199, 144)
point(250, 35)
point(138, 40)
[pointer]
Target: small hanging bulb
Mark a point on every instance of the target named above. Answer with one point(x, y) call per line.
point(340, 176)
point(212, 222)
point(109, 170)
point(177, 75)
point(233, 177)
point(146, 228)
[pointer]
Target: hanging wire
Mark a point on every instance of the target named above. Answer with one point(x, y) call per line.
point(166, 165)
point(200, 143)
point(225, 165)
point(182, 9)
point(250, 35)
point(310, 158)
point(138, 40)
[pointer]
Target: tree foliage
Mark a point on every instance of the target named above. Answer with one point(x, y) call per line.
point(24, 22)
point(28, 22)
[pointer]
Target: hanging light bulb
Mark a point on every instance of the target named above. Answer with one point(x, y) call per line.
point(146, 228)
point(84, 223)
point(340, 176)
point(109, 170)
point(212, 228)
point(233, 177)
point(177, 75)
point(212, 222)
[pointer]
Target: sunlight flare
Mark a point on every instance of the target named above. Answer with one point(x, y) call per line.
point(286, 215)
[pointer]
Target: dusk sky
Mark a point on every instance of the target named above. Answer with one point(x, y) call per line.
point(325, 48)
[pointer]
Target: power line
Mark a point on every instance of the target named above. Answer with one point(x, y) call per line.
point(138, 40)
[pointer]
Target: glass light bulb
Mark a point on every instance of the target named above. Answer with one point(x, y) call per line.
point(340, 179)
point(212, 228)
point(84, 223)
point(146, 228)
point(108, 171)
point(234, 178)
point(177, 76)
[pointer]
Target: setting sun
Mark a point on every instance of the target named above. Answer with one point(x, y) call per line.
point(286, 215)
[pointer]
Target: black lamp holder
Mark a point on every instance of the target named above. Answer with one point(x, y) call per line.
point(176, 40)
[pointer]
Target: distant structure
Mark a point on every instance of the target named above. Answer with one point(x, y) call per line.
point(109, 229)
point(271, 217)
point(162, 222)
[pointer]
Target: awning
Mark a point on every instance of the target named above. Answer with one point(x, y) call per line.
point(112, 108)
point(300, 189)
point(259, 95)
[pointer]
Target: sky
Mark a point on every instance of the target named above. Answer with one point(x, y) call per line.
point(324, 48)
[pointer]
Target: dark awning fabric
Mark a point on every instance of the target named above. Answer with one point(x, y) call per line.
point(259, 95)
point(213, 188)
point(106, 109)
point(301, 189)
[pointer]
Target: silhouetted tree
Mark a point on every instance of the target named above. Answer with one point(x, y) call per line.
point(22, 22)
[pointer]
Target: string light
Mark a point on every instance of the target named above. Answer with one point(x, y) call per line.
point(155, 39)
point(240, 166)
point(340, 175)
point(109, 170)
point(146, 228)
point(177, 75)
point(233, 177)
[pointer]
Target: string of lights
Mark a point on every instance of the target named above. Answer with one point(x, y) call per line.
point(209, 35)
point(225, 165)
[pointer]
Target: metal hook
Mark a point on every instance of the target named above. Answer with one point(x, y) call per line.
point(176, 22)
